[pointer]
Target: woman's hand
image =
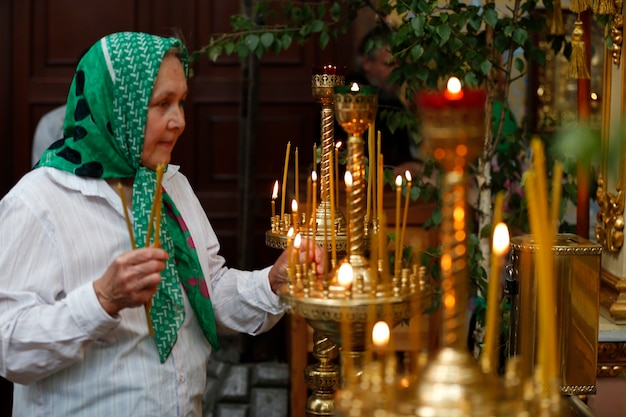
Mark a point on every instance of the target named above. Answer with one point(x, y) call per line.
point(278, 273)
point(131, 279)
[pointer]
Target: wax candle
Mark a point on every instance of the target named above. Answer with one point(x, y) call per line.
point(555, 207)
point(345, 275)
point(274, 197)
point(297, 242)
point(337, 146)
point(158, 201)
point(308, 216)
point(381, 214)
point(333, 201)
point(297, 174)
point(348, 180)
point(398, 253)
point(499, 249)
point(380, 337)
point(314, 205)
point(284, 186)
point(545, 276)
point(454, 97)
point(370, 183)
point(405, 214)
point(294, 215)
point(290, 234)
point(129, 226)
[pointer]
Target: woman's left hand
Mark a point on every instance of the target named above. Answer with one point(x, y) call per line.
point(305, 255)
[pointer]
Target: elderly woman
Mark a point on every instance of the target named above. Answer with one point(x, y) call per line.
point(75, 336)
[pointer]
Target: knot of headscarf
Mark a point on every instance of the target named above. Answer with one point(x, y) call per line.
point(104, 127)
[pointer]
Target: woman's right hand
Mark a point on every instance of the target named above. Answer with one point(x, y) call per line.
point(131, 279)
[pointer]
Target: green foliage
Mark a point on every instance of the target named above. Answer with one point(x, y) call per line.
point(436, 40)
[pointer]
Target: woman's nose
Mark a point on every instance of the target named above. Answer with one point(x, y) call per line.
point(177, 121)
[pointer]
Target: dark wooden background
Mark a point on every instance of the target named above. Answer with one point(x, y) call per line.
point(40, 41)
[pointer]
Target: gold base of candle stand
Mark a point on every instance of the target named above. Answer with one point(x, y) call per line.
point(322, 378)
point(341, 323)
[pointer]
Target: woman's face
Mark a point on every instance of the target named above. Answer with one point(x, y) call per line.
point(166, 116)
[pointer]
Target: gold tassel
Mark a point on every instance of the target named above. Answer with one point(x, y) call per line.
point(579, 6)
point(578, 64)
point(604, 7)
point(555, 19)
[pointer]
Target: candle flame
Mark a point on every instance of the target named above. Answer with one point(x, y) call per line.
point(500, 239)
point(290, 232)
point(399, 181)
point(338, 145)
point(275, 191)
point(313, 176)
point(354, 87)
point(348, 179)
point(380, 334)
point(345, 275)
point(454, 85)
point(297, 241)
point(294, 206)
point(407, 175)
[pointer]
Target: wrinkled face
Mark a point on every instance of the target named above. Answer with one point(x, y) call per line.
point(379, 69)
point(166, 116)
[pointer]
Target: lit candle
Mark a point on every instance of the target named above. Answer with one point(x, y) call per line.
point(284, 187)
point(453, 89)
point(380, 337)
point(297, 241)
point(408, 177)
point(314, 157)
point(499, 248)
point(398, 254)
point(274, 197)
point(294, 214)
point(454, 97)
point(354, 87)
point(345, 275)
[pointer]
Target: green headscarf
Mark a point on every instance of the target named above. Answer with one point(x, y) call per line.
point(104, 128)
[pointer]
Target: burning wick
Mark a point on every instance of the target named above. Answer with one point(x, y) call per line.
point(380, 335)
point(453, 89)
point(345, 275)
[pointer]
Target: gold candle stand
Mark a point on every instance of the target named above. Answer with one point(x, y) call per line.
point(452, 384)
point(343, 314)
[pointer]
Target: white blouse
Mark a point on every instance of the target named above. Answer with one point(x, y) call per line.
point(67, 356)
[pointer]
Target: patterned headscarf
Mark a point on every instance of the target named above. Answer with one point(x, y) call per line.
point(104, 128)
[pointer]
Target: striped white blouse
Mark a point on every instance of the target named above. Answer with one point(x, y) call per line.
point(67, 356)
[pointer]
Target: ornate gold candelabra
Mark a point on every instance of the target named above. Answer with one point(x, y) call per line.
point(343, 308)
